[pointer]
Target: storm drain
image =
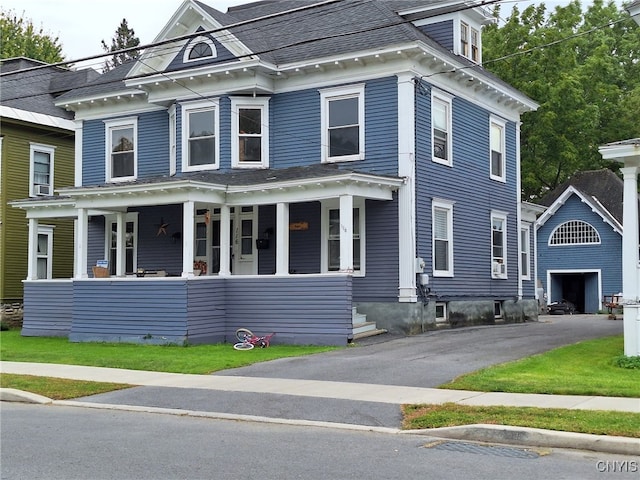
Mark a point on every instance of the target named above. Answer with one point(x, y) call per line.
point(496, 450)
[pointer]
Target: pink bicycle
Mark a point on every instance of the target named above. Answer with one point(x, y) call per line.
point(247, 340)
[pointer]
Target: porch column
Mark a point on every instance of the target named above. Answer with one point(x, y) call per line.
point(225, 242)
point(630, 281)
point(81, 242)
point(121, 254)
point(346, 233)
point(282, 239)
point(630, 268)
point(407, 192)
point(32, 261)
point(188, 217)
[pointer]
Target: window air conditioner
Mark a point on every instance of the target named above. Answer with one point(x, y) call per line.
point(499, 268)
point(43, 190)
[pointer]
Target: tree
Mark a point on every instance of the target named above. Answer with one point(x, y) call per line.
point(19, 38)
point(125, 38)
point(582, 68)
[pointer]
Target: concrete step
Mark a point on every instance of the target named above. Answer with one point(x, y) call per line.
point(363, 327)
point(369, 333)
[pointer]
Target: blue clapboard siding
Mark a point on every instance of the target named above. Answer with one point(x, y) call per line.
point(96, 242)
point(118, 310)
point(381, 127)
point(467, 183)
point(300, 309)
point(222, 55)
point(529, 286)
point(607, 256)
point(47, 308)
point(267, 256)
point(441, 32)
point(153, 144)
point(160, 251)
point(93, 152)
point(304, 245)
point(206, 310)
point(380, 283)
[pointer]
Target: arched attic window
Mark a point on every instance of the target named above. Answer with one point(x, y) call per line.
point(574, 232)
point(200, 48)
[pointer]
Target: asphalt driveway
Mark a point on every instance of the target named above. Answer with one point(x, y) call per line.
point(434, 358)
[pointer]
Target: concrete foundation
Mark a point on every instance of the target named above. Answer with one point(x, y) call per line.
point(415, 318)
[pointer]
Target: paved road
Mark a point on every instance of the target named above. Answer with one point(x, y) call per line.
point(426, 360)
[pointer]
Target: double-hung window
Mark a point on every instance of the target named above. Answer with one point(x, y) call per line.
point(525, 267)
point(331, 234)
point(469, 42)
point(442, 211)
point(497, 149)
point(441, 127)
point(45, 252)
point(41, 171)
point(342, 113)
point(121, 148)
point(250, 131)
point(498, 245)
point(200, 135)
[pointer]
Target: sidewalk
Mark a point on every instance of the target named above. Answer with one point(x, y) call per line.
point(356, 392)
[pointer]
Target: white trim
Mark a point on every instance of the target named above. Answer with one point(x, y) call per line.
point(195, 106)
point(173, 140)
point(599, 242)
point(46, 230)
point(447, 100)
point(40, 189)
point(502, 125)
point(126, 218)
point(195, 41)
point(499, 270)
point(447, 207)
point(526, 229)
point(37, 118)
point(110, 125)
point(261, 104)
point(340, 93)
point(334, 204)
point(77, 178)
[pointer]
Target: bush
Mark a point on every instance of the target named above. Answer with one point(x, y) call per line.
point(628, 362)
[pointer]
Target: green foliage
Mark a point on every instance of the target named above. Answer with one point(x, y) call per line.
point(125, 38)
point(585, 368)
point(582, 68)
point(19, 38)
point(628, 362)
point(57, 388)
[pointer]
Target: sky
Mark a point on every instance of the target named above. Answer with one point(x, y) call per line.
point(80, 25)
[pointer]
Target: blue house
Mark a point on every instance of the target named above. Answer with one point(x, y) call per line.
point(580, 240)
point(296, 167)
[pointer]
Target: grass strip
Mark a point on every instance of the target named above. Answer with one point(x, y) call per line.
point(57, 388)
point(580, 421)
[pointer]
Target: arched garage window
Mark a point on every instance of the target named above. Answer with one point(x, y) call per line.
point(574, 232)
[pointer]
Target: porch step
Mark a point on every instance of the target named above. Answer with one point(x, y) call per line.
point(367, 329)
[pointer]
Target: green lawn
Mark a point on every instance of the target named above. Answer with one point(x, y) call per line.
point(198, 359)
point(585, 368)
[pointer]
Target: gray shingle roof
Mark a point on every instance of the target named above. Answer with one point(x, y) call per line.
point(37, 90)
point(603, 184)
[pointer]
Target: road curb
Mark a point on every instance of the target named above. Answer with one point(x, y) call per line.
point(535, 437)
point(14, 395)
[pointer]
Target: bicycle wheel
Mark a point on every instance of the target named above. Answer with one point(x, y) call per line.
point(243, 346)
point(243, 333)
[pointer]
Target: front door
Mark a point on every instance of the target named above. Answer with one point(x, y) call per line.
point(243, 247)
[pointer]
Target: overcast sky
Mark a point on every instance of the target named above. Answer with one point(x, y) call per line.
point(82, 24)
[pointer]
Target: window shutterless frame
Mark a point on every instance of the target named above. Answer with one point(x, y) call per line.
point(441, 128)
point(442, 238)
point(250, 132)
point(498, 245)
point(121, 149)
point(342, 123)
point(200, 135)
point(41, 170)
point(497, 149)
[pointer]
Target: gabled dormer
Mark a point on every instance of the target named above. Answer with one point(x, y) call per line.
point(457, 26)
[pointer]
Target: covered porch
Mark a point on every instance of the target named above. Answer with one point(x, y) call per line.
point(193, 258)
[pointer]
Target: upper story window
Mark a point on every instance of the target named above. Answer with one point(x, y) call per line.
point(342, 111)
point(250, 130)
point(498, 245)
point(497, 149)
point(441, 128)
point(121, 149)
point(469, 42)
point(41, 170)
point(199, 48)
point(442, 238)
point(574, 232)
point(200, 135)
